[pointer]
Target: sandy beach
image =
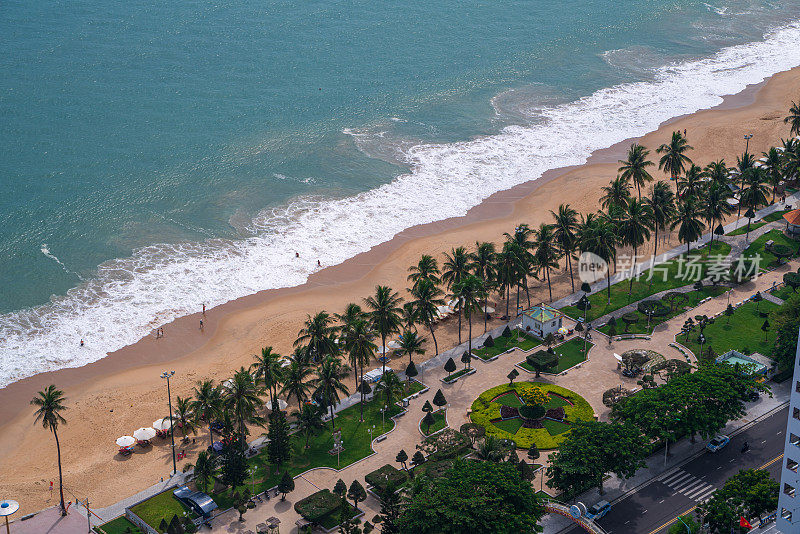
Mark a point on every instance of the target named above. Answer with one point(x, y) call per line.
point(122, 392)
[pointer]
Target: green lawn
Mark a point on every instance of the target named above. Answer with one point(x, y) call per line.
point(555, 427)
point(454, 376)
point(440, 422)
point(119, 525)
point(767, 258)
point(569, 354)
point(412, 387)
point(743, 230)
point(517, 339)
point(643, 288)
point(332, 519)
point(693, 298)
point(742, 333)
point(509, 425)
point(509, 399)
point(784, 292)
point(161, 506)
point(555, 402)
point(775, 216)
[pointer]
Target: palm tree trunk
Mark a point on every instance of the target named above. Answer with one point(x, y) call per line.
point(433, 336)
point(549, 287)
point(571, 274)
point(361, 390)
point(333, 424)
point(459, 323)
point(630, 287)
point(383, 349)
point(516, 312)
point(485, 315)
point(527, 292)
point(608, 278)
point(508, 298)
point(469, 321)
point(60, 475)
point(210, 434)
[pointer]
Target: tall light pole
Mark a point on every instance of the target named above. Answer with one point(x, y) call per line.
point(747, 138)
point(168, 375)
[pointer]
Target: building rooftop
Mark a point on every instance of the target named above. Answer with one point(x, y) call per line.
point(543, 313)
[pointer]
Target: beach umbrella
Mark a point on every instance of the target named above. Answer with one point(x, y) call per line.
point(282, 404)
point(162, 424)
point(394, 345)
point(144, 434)
point(125, 441)
point(488, 309)
point(443, 310)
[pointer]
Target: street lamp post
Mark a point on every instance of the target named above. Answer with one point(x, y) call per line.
point(747, 138)
point(167, 375)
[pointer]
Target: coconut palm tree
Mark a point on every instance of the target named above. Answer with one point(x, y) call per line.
point(598, 235)
point(634, 167)
point(205, 470)
point(390, 387)
point(296, 381)
point(714, 205)
point(308, 420)
point(184, 416)
point(386, 314)
point(773, 168)
point(794, 119)
point(267, 368)
point(242, 397)
point(635, 228)
point(49, 406)
point(717, 172)
point(317, 337)
point(743, 163)
point(691, 184)
point(566, 221)
point(791, 159)
point(454, 270)
point(207, 404)
point(482, 264)
point(362, 350)
point(353, 313)
point(546, 252)
point(662, 205)
point(409, 317)
point(687, 220)
point(521, 244)
point(411, 344)
point(674, 159)
point(470, 293)
point(506, 273)
point(616, 193)
point(330, 383)
point(426, 269)
point(755, 191)
point(427, 299)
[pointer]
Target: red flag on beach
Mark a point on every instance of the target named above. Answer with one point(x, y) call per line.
point(744, 523)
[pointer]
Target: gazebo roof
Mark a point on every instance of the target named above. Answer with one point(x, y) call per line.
point(793, 217)
point(543, 313)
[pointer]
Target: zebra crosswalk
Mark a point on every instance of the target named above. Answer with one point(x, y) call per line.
point(688, 485)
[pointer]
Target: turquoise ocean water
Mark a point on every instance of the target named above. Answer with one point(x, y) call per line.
point(156, 156)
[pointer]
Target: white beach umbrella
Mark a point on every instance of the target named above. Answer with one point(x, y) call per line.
point(443, 310)
point(488, 309)
point(393, 345)
point(125, 441)
point(162, 424)
point(144, 434)
point(282, 404)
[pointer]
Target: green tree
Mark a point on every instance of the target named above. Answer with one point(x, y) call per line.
point(469, 292)
point(385, 315)
point(786, 321)
point(411, 344)
point(662, 207)
point(233, 465)
point(356, 493)
point(391, 508)
point(296, 380)
point(402, 458)
point(687, 221)
point(566, 222)
point(616, 193)
point(362, 351)
point(184, 416)
point(599, 236)
point(390, 388)
point(449, 366)
point(49, 408)
point(286, 485)
point(330, 383)
point(793, 119)
point(473, 497)
point(455, 269)
point(634, 167)
point(714, 205)
point(482, 264)
point(207, 404)
point(316, 337)
point(418, 458)
point(340, 488)
point(242, 397)
point(773, 169)
point(428, 420)
point(348, 331)
point(634, 228)
point(205, 469)
point(546, 252)
point(750, 493)
point(591, 450)
point(267, 367)
point(674, 159)
point(426, 269)
point(691, 185)
point(427, 299)
point(278, 446)
point(411, 371)
point(438, 399)
point(308, 420)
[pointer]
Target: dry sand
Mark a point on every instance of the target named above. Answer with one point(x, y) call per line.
point(122, 392)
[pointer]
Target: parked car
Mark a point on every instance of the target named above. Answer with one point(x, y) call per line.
point(718, 442)
point(598, 510)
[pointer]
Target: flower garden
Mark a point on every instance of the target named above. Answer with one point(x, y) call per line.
point(530, 413)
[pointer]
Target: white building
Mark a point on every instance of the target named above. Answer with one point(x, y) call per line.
point(542, 320)
point(789, 494)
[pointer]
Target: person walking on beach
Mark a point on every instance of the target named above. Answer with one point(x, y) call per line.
point(319, 264)
point(201, 325)
point(204, 309)
point(296, 254)
point(81, 342)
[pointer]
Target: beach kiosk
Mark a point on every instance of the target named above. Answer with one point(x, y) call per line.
point(793, 223)
point(542, 320)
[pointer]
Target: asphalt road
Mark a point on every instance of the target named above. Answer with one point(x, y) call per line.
point(654, 507)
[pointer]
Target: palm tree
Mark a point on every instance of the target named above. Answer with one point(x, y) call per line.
point(773, 167)
point(506, 273)
point(483, 266)
point(674, 159)
point(385, 314)
point(566, 221)
point(662, 206)
point(691, 184)
point(598, 235)
point(743, 165)
point(330, 382)
point(242, 397)
point(426, 269)
point(546, 252)
point(687, 220)
point(794, 119)
point(390, 387)
point(755, 192)
point(347, 331)
point(207, 404)
point(791, 159)
point(717, 172)
point(409, 317)
point(267, 368)
point(411, 344)
point(520, 244)
point(317, 336)
point(454, 270)
point(635, 229)
point(205, 470)
point(184, 416)
point(308, 419)
point(634, 168)
point(361, 349)
point(295, 381)
point(616, 193)
point(427, 299)
point(49, 407)
point(469, 292)
point(714, 205)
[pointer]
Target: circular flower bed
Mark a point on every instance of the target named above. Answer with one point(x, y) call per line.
point(501, 411)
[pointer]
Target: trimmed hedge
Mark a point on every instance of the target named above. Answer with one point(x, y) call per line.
point(484, 411)
point(317, 505)
point(380, 478)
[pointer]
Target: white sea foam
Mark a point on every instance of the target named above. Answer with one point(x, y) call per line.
point(131, 296)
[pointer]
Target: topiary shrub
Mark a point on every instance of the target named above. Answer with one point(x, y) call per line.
point(381, 478)
point(507, 332)
point(655, 307)
point(317, 505)
point(489, 342)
